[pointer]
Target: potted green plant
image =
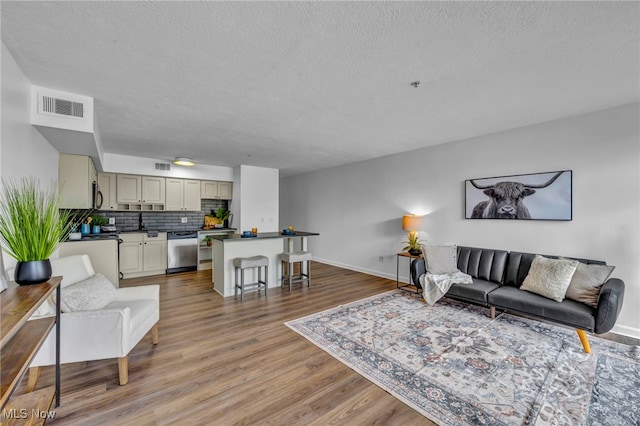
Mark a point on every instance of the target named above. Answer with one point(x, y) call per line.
point(222, 214)
point(413, 244)
point(31, 227)
point(207, 240)
point(97, 222)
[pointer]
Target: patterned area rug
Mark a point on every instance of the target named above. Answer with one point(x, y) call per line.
point(456, 366)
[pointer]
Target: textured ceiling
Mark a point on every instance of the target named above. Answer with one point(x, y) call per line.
point(301, 86)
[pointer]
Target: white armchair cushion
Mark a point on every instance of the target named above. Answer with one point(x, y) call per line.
point(73, 269)
point(140, 311)
point(90, 294)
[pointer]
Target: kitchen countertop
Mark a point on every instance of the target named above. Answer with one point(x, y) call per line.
point(263, 235)
point(96, 237)
point(114, 235)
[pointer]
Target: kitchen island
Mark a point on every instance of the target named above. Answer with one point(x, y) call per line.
point(271, 244)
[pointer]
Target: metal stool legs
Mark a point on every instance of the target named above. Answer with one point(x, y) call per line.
point(301, 277)
point(253, 262)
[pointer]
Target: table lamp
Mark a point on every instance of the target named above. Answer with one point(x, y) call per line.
point(412, 223)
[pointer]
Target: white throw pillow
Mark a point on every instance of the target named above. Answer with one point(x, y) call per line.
point(549, 277)
point(440, 259)
point(586, 282)
point(91, 294)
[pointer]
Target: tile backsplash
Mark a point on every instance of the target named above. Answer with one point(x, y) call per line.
point(170, 221)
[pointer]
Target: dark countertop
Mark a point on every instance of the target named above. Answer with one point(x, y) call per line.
point(144, 231)
point(263, 235)
point(97, 237)
point(114, 235)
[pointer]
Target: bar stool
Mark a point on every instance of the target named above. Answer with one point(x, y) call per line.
point(294, 257)
point(242, 263)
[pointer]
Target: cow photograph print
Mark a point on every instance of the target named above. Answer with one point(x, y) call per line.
point(536, 196)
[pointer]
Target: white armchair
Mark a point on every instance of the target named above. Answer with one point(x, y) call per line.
point(110, 332)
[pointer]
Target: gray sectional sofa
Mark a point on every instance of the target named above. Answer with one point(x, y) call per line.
point(497, 277)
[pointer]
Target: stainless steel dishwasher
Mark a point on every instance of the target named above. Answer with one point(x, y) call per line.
point(182, 251)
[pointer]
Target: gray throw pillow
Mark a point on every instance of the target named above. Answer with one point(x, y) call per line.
point(549, 277)
point(586, 283)
point(91, 294)
point(440, 259)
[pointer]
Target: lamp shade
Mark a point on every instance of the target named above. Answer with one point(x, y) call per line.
point(411, 222)
point(183, 161)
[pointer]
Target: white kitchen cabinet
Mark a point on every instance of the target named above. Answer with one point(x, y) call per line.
point(107, 184)
point(225, 190)
point(182, 195)
point(129, 189)
point(131, 254)
point(102, 253)
point(76, 175)
point(142, 255)
point(217, 190)
point(153, 190)
point(154, 254)
point(143, 193)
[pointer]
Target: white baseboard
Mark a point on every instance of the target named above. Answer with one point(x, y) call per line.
point(626, 331)
point(617, 329)
point(358, 269)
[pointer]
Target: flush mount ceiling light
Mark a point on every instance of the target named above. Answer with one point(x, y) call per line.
point(184, 161)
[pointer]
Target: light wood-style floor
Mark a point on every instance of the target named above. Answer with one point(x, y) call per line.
point(223, 362)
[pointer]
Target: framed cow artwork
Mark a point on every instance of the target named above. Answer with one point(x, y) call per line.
point(535, 196)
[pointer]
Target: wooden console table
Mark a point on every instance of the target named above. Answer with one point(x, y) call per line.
point(406, 287)
point(20, 340)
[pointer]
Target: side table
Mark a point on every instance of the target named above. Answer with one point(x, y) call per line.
point(406, 287)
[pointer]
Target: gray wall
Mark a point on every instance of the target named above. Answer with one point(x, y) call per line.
point(357, 208)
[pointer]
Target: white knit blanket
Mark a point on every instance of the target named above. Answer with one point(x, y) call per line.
point(435, 286)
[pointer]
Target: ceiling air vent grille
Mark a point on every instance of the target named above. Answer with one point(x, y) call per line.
point(162, 166)
point(62, 107)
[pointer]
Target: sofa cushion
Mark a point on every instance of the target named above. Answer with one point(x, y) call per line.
point(485, 264)
point(518, 265)
point(440, 259)
point(90, 294)
point(476, 292)
point(586, 283)
point(568, 312)
point(549, 277)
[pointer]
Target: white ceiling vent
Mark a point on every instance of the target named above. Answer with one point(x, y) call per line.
point(162, 166)
point(55, 106)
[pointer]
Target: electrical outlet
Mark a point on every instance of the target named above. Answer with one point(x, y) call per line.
point(112, 221)
point(380, 258)
point(183, 220)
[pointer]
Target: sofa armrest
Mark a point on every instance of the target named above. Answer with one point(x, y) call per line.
point(609, 305)
point(151, 292)
point(418, 268)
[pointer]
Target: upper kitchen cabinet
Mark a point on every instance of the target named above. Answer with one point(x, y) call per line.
point(107, 186)
point(136, 192)
point(76, 176)
point(129, 189)
point(216, 190)
point(182, 194)
point(153, 190)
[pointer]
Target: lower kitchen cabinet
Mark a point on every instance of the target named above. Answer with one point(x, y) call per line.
point(142, 255)
point(102, 253)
